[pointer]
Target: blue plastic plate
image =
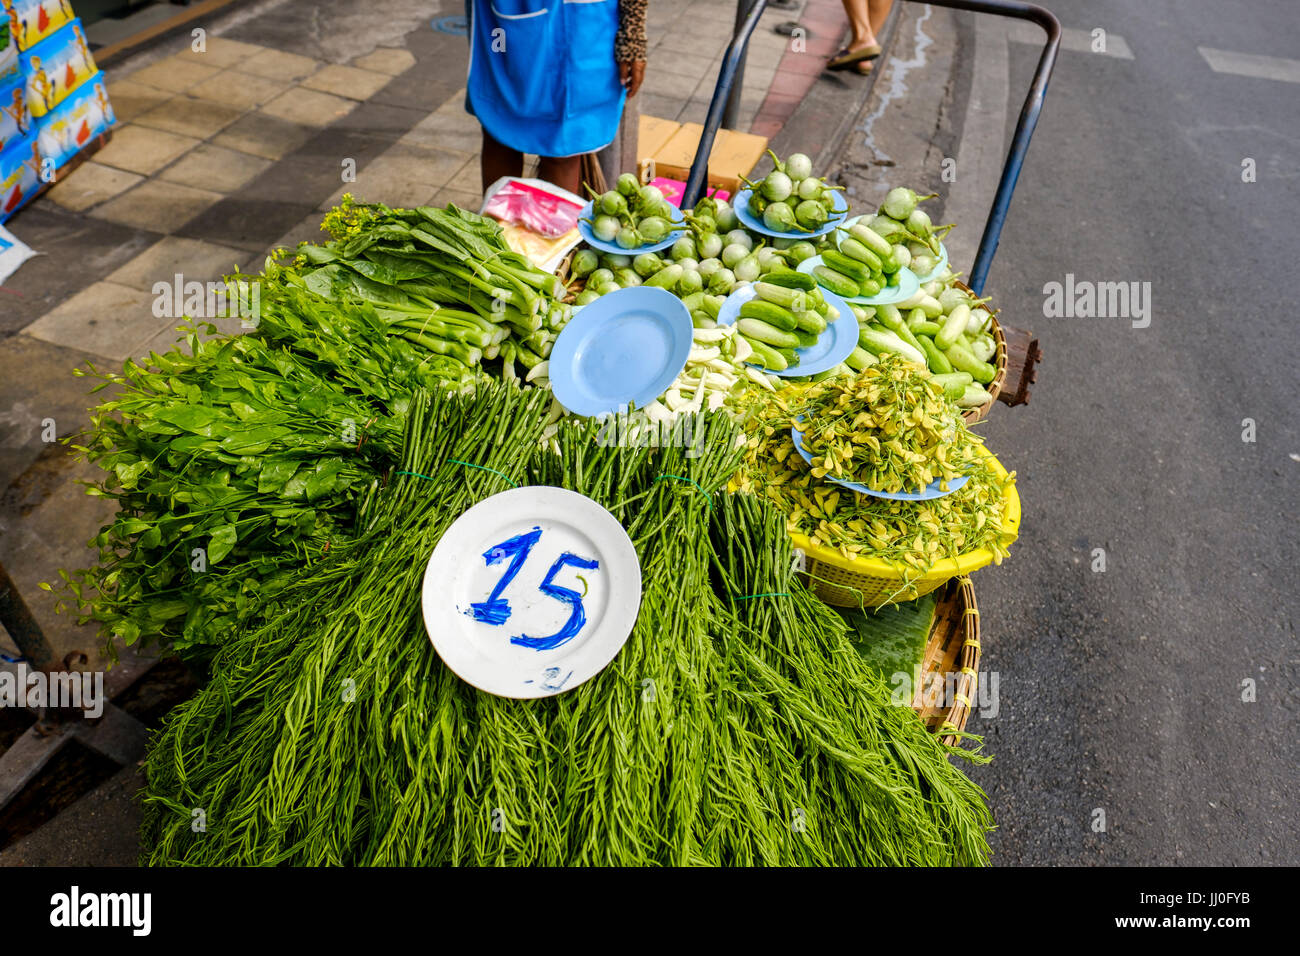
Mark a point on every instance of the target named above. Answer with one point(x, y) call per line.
point(906, 288)
point(626, 346)
point(930, 491)
point(839, 206)
point(590, 238)
point(833, 346)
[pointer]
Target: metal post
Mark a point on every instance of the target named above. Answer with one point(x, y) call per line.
point(734, 56)
point(22, 627)
point(732, 112)
point(1024, 126)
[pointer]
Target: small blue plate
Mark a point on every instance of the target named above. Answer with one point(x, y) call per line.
point(839, 206)
point(906, 288)
point(930, 491)
point(626, 346)
point(590, 237)
point(833, 346)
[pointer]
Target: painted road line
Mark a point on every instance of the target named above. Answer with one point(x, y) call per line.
point(1252, 64)
point(1072, 39)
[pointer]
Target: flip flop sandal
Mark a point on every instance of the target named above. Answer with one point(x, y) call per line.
point(846, 57)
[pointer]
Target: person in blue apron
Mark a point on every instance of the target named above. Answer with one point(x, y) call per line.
point(550, 77)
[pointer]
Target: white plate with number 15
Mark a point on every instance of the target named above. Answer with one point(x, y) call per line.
point(531, 592)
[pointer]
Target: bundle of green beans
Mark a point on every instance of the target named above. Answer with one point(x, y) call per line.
point(841, 776)
point(334, 735)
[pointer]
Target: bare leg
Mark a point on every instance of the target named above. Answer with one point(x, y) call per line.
point(565, 172)
point(878, 10)
point(860, 23)
point(498, 160)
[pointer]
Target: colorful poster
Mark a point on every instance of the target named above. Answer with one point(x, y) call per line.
point(72, 124)
point(55, 67)
point(8, 47)
point(31, 21)
point(15, 120)
point(20, 175)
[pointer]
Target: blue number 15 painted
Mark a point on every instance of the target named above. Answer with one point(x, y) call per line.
point(496, 609)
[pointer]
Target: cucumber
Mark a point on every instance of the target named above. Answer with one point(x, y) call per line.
point(779, 295)
point(791, 279)
point(806, 339)
point(872, 240)
point(855, 270)
point(769, 312)
point(790, 356)
point(935, 359)
point(964, 360)
point(665, 278)
point(693, 301)
point(853, 249)
point(810, 322)
point(925, 328)
point(973, 397)
point(952, 378)
point(837, 282)
point(860, 358)
point(760, 330)
point(766, 356)
point(712, 304)
point(953, 326)
point(933, 308)
point(879, 341)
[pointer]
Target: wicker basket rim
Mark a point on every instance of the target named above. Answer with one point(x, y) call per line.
point(942, 570)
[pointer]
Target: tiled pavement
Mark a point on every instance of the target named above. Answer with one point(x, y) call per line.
point(224, 155)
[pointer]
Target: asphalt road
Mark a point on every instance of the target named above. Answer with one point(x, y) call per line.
point(1122, 691)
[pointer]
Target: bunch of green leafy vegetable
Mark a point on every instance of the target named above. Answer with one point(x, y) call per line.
point(235, 462)
point(443, 278)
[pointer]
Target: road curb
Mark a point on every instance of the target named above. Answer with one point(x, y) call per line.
point(841, 95)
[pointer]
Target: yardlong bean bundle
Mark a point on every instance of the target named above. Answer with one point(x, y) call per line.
point(876, 787)
point(335, 735)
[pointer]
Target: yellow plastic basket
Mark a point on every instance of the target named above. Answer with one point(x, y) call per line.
point(871, 582)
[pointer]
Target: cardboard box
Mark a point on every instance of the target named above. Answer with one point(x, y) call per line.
point(652, 133)
point(67, 128)
point(15, 118)
point(20, 180)
point(56, 67)
point(733, 155)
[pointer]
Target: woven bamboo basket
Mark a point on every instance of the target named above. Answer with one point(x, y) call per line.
point(994, 388)
point(953, 648)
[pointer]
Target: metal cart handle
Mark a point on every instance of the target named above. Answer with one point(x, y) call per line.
point(1024, 126)
point(1019, 142)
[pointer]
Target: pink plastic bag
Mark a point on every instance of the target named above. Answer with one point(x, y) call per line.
point(535, 207)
